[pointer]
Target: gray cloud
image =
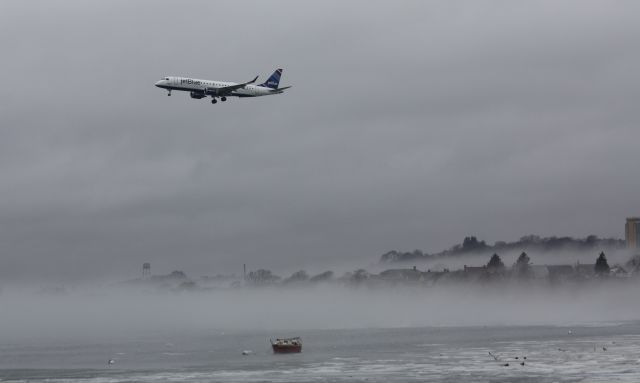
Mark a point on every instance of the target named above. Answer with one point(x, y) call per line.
point(410, 125)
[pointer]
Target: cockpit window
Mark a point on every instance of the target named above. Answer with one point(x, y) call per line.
point(166, 78)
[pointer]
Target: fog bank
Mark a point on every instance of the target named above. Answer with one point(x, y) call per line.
point(109, 312)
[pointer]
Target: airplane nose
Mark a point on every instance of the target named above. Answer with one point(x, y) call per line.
point(158, 83)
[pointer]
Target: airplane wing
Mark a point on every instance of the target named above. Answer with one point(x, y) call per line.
point(226, 90)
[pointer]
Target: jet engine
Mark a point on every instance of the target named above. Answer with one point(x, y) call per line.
point(197, 95)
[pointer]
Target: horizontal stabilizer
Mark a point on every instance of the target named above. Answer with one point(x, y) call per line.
point(280, 90)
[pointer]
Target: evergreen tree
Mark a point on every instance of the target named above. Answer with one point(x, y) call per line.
point(298, 276)
point(522, 266)
point(327, 275)
point(262, 277)
point(360, 275)
point(602, 266)
point(495, 263)
point(472, 244)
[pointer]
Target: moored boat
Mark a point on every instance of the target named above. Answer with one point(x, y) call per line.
point(286, 345)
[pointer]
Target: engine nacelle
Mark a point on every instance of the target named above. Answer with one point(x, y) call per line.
point(210, 91)
point(197, 95)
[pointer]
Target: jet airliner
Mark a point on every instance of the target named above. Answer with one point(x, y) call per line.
point(222, 89)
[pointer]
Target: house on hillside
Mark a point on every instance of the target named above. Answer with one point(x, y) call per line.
point(474, 273)
point(558, 273)
point(432, 277)
point(401, 275)
point(585, 270)
point(618, 271)
point(539, 271)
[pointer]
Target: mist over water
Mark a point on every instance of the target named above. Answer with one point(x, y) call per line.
point(98, 313)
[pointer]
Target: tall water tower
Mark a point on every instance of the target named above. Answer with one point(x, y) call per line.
point(146, 269)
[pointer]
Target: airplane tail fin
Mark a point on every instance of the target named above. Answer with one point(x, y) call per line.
point(274, 80)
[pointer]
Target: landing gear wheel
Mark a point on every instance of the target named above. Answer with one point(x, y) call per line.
point(169, 94)
point(223, 99)
point(214, 101)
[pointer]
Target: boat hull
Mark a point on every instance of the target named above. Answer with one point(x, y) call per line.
point(288, 349)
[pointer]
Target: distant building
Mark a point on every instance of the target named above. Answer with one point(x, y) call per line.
point(475, 272)
point(619, 272)
point(559, 272)
point(586, 270)
point(632, 232)
point(539, 271)
point(397, 275)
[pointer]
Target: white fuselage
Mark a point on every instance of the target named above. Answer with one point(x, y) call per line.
point(208, 87)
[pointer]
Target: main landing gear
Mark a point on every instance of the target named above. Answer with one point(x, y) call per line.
point(213, 101)
point(223, 98)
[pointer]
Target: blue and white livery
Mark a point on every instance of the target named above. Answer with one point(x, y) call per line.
point(222, 89)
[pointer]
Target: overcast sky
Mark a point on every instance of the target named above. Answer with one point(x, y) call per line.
point(409, 125)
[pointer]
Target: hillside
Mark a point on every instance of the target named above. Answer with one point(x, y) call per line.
point(471, 245)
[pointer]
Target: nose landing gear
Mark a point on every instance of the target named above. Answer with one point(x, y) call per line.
point(169, 94)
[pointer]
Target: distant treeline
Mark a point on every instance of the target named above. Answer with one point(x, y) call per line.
point(471, 245)
point(493, 271)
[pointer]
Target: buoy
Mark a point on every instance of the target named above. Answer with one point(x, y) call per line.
point(247, 352)
point(110, 362)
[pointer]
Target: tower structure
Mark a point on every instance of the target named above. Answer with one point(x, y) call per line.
point(146, 269)
point(632, 232)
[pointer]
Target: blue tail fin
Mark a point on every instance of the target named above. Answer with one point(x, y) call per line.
point(274, 80)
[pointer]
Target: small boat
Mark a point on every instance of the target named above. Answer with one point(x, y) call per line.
point(286, 345)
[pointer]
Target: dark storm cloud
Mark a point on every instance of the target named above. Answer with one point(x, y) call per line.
point(410, 125)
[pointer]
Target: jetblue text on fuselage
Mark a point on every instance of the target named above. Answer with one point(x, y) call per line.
point(189, 81)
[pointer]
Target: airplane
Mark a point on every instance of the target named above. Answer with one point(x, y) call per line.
point(222, 89)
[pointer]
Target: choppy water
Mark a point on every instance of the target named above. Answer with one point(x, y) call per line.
point(599, 353)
